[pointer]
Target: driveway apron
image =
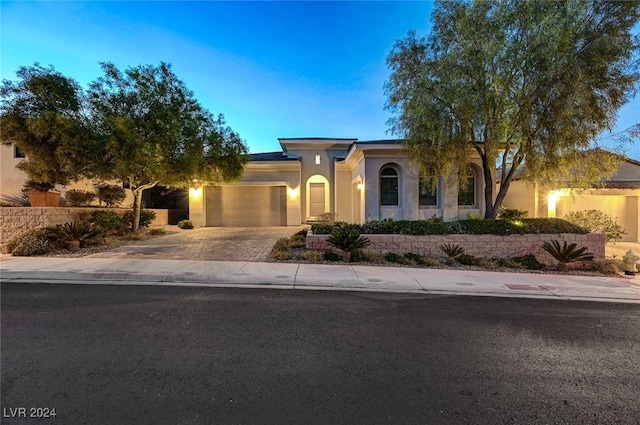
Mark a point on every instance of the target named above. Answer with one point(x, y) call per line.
point(207, 244)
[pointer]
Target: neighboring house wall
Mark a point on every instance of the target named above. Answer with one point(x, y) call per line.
point(620, 198)
point(11, 178)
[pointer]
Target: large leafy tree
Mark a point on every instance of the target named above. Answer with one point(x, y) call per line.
point(528, 85)
point(42, 114)
point(151, 130)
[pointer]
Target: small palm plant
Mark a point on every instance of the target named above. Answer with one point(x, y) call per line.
point(347, 239)
point(566, 254)
point(452, 251)
point(75, 232)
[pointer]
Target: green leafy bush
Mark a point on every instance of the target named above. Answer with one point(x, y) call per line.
point(468, 260)
point(528, 261)
point(412, 257)
point(311, 256)
point(108, 221)
point(512, 213)
point(474, 216)
point(347, 239)
point(392, 257)
point(281, 254)
point(34, 242)
point(185, 224)
point(595, 221)
point(566, 253)
point(146, 218)
point(77, 230)
point(111, 195)
point(452, 251)
point(281, 244)
point(331, 256)
point(79, 198)
point(436, 226)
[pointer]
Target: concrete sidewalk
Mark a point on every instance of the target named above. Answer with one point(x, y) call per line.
point(317, 276)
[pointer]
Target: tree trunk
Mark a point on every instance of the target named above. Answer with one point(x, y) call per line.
point(137, 204)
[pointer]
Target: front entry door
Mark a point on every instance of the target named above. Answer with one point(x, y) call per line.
point(316, 199)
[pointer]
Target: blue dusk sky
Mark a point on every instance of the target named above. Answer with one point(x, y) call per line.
point(274, 69)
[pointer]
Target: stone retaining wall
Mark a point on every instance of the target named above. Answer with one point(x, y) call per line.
point(17, 220)
point(476, 245)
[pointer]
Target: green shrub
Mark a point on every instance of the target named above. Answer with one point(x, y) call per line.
point(392, 257)
point(474, 216)
point(79, 198)
point(347, 239)
point(512, 213)
point(529, 262)
point(156, 231)
point(281, 244)
point(185, 224)
point(607, 266)
point(566, 253)
point(146, 218)
point(111, 195)
point(414, 258)
point(301, 233)
point(431, 262)
point(321, 228)
point(595, 221)
point(331, 256)
point(34, 242)
point(77, 230)
point(311, 256)
point(468, 260)
point(30, 185)
point(452, 251)
point(108, 221)
point(281, 254)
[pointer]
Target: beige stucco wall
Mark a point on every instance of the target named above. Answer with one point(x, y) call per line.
point(261, 174)
point(622, 204)
point(11, 179)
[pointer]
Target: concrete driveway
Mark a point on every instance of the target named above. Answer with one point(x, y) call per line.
point(207, 244)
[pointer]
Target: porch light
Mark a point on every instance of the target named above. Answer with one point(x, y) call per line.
point(360, 186)
point(552, 200)
point(317, 158)
point(293, 192)
point(195, 192)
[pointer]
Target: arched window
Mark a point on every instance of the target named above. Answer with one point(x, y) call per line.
point(389, 186)
point(428, 193)
point(467, 187)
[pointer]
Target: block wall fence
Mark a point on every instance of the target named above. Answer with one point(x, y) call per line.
point(477, 245)
point(15, 221)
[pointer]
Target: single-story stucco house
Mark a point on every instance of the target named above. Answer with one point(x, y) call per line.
point(352, 180)
point(356, 181)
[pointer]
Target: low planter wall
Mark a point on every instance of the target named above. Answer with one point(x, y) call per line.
point(17, 220)
point(476, 245)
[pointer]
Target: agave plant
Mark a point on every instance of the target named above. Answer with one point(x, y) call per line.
point(347, 239)
point(566, 254)
point(452, 251)
point(75, 232)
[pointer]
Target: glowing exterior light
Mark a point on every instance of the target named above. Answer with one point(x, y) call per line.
point(360, 186)
point(195, 192)
point(293, 192)
point(552, 200)
point(317, 159)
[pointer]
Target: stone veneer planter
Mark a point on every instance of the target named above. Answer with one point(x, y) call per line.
point(17, 220)
point(476, 245)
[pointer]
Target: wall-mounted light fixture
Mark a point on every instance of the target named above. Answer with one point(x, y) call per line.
point(317, 158)
point(195, 192)
point(293, 192)
point(360, 186)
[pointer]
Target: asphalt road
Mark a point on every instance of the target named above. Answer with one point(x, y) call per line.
point(163, 355)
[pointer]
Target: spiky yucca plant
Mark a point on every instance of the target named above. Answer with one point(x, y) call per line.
point(566, 254)
point(452, 251)
point(75, 232)
point(347, 239)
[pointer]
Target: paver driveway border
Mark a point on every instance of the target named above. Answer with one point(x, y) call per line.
point(206, 244)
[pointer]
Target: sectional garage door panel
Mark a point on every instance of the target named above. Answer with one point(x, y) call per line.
point(229, 206)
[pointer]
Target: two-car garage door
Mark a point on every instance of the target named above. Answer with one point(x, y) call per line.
point(228, 206)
